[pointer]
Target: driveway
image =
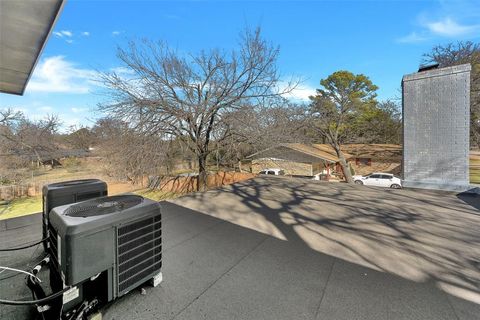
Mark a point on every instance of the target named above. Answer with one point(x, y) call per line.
point(281, 248)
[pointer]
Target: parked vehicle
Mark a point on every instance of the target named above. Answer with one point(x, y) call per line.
point(379, 179)
point(273, 171)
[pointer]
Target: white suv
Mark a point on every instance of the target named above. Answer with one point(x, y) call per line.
point(379, 179)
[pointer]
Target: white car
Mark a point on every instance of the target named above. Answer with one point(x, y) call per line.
point(379, 179)
point(273, 171)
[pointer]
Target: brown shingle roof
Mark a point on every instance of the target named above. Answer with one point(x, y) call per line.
point(375, 151)
point(326, 152)
point(322, 151)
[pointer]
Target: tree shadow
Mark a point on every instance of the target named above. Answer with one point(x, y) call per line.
point(416, 234)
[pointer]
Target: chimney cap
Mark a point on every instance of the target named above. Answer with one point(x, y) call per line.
point(423, 68)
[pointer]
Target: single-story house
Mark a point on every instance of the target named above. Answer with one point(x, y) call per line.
point(368, 158)
point(299, 159)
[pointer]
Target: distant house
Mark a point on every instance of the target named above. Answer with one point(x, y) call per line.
point(52, 158)
point(368, 158)
point(298, 159)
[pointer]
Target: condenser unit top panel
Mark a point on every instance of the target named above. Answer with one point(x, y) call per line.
point(101, 206)
point(68, 186)
point(101, 213)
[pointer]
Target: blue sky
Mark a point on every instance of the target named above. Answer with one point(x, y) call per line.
point(382, 39)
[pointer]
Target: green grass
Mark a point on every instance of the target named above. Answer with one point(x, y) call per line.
point(21, 207)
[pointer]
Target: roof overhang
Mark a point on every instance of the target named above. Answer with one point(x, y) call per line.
point(24, 29)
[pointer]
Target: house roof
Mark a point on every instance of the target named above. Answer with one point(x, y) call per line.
point(47, 155)
point(322, 151)
point(376, 151)
point(24, 30)
point(309, 153)
point(325, 152)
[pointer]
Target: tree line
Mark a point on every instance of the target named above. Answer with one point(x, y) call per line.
point(216, 107)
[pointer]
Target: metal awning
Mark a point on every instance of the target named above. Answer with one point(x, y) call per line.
point(24, 30)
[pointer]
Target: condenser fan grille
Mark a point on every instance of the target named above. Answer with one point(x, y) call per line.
point(101, 206)
point(139, 252)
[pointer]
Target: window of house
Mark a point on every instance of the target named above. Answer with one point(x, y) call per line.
point(363, 161)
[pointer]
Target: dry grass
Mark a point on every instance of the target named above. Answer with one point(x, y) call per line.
point(474, 168)
point(157, 195)
point(29, 205)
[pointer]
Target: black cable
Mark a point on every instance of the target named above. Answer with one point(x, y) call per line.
point(25, 246)
point(38, 301)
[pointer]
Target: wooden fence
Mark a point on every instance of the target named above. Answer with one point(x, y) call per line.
point(183, 185)
point(31, 189)
point(177, 184)
point(23, 190)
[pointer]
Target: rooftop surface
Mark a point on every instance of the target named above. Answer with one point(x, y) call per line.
point(285, 248)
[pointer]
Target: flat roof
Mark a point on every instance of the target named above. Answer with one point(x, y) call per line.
point(24, 30)
point(286, 248)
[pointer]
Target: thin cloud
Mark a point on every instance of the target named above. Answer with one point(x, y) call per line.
point(69, 41)
point(57, 75)
point(122, 71)
point(45, 109)
point(68, 122)
point(78, 110)
point(116, 33)
point(85, 33)
point(67, 33)
point(63, 33)
point(447, 27)
point(413, 37)
point(301, 93)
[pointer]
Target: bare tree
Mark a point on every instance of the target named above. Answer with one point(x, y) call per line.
point(260, 127)
point(453, 54)
point(127, 153)
point(8, 115)
point(187, 96)
point(23, 141)
point(460, 53)
point(25, 137)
